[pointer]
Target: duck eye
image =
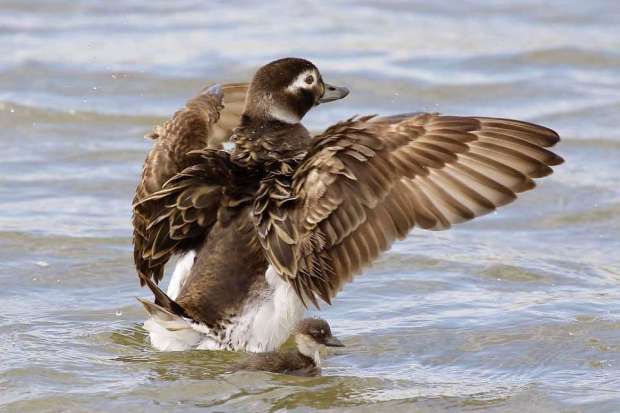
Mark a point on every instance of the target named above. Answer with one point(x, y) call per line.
point(309, 79)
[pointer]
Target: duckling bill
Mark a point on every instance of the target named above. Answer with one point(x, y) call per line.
point(285, 219)
point(311, 336)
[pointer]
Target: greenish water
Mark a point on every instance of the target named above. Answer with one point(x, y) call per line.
point(515, 312)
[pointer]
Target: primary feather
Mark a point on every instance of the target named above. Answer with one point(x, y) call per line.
point(368, 181)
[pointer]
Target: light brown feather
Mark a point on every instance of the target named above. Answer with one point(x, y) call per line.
point(368, 181)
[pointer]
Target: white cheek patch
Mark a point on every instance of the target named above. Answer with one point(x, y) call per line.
point(300, 81)
point(309, 348)
point(277, 112)
point(283, 115)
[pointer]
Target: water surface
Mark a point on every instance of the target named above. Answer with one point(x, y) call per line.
point(516, 311)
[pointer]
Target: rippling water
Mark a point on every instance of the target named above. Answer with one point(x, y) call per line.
point(518, 311)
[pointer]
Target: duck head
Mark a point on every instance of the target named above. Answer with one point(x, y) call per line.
point(286, 89)
point(312, 335)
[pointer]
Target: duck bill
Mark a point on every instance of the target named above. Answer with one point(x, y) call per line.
point(333, 93)
point(333, 342)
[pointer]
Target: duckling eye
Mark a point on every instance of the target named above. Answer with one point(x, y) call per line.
point(309, 79)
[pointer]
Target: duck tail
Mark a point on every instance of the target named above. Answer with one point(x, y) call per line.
point(169, 331)
point(162, 300)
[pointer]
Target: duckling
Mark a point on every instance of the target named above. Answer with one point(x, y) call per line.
point(285, 219)
point(311, 336)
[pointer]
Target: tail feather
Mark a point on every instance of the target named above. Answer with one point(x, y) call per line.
point(158, 311)
point(169, 331)
point(162, 299)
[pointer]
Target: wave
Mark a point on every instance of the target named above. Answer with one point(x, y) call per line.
point(15, 113)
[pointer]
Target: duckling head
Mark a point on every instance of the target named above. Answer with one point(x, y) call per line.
point(286, 89)
point(312, 335)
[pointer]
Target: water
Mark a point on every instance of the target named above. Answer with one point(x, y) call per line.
point(517, 311)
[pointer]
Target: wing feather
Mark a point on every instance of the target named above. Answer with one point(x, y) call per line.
point(207, 120)
point(368, 181)
point(230, 116)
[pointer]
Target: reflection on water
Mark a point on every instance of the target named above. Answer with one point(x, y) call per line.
point(517, 311)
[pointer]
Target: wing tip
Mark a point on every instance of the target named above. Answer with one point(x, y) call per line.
point(216, 90)
point(555, 160)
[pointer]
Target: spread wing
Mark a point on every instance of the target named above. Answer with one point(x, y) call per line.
point(368, 181)
point(207, 120)
point(181, 214)
point(230, 116)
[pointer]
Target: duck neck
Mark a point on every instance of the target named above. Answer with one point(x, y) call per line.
point(262, 140)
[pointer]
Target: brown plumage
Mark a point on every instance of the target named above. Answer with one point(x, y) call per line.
point(207, 120)
point(316, 209)
point(368, 181)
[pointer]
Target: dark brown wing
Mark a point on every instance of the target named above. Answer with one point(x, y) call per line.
point(368, 181)
point(181, 213)
point(204, 121)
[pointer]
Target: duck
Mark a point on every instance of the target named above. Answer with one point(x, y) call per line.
point(266, 219)
point(311, 336)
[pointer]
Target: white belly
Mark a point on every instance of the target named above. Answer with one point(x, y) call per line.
point(264, 323)
point(180, 274)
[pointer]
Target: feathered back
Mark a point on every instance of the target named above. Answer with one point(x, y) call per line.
point(207, 120)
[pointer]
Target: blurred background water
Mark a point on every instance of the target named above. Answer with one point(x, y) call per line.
point(517, 311)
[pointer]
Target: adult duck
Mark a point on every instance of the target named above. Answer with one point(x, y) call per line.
point(284, 219)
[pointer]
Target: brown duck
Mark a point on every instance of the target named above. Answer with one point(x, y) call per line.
point(311, 336)
point(284, 219)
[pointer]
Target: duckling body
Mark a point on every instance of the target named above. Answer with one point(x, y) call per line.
point(285, 219)
point(290, 362)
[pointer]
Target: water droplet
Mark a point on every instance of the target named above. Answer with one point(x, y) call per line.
point(118, 313)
